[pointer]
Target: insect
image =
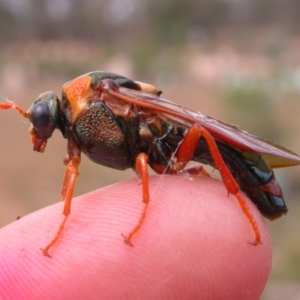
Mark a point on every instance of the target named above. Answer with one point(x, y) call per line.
point(121, 123)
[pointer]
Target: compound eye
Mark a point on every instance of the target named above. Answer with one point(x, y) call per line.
point(40, 116)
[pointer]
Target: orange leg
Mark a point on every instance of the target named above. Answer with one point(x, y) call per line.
point(185, 154)
point(69, 181)
point(66, 179)
point(12, 105)
point(141, 165)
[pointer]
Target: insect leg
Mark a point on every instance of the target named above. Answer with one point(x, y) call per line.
point(10, 105)
point(141, 165)
point(185, 154)
point(69, 181)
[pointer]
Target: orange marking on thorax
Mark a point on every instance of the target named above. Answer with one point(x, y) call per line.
point(78, 93)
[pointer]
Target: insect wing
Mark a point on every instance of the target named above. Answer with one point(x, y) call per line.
point(274, 155)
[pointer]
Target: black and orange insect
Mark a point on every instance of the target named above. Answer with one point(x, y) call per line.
point(121, 123)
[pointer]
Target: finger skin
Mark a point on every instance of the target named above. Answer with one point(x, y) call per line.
point(194, 244)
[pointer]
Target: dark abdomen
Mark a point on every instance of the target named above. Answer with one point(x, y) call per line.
point(255, 178)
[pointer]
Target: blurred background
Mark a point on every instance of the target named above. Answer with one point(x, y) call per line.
point(235, 60)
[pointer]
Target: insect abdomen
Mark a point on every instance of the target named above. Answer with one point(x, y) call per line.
point(255, 178)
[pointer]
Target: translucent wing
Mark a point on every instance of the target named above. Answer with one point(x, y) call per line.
point(274, 155)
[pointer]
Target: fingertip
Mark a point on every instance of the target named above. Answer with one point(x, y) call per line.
point(194, 244)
